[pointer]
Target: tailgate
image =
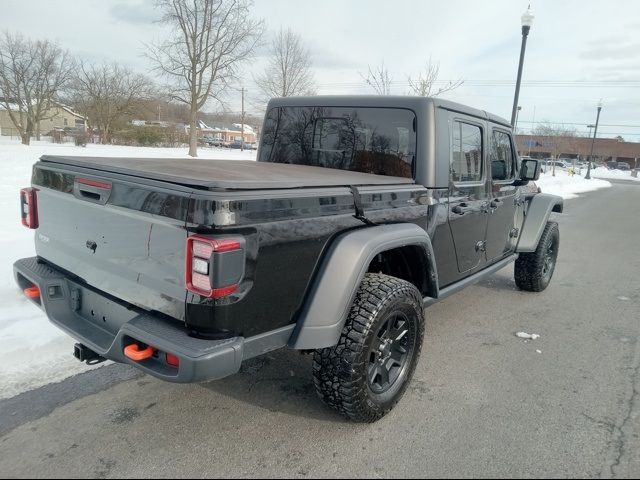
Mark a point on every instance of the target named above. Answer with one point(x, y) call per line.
point(125, 239)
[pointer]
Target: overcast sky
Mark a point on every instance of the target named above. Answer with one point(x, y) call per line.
point(577, 52)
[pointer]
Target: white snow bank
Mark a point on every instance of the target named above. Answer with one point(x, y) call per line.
point(602, 172)
point(568, 186)
point(32, 351)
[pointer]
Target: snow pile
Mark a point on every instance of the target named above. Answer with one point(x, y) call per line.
point(602, 172)
point(568, 186)
point(527, 336)
point(32, 351)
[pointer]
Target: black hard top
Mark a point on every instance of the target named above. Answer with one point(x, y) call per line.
point(384, 101)
point(226, 174)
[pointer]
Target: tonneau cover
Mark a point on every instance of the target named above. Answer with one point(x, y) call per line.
point(227, 174)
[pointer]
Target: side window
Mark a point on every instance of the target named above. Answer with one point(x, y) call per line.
point(501, 156)
point(466, 153)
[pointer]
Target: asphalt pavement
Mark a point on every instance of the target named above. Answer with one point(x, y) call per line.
point(483, 403)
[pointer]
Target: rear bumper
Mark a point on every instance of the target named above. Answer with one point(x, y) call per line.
point(107, 325)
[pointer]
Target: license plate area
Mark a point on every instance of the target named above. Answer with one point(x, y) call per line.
point(99, 310)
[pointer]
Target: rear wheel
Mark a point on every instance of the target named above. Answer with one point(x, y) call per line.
point(367, 372)
point(533, 271)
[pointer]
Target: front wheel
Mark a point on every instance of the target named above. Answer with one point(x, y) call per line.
point(368, 371)
point(533, 271)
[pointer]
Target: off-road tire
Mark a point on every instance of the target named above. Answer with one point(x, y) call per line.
point(342, 373)
point(533, 271)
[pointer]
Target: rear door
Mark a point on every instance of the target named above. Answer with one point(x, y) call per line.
point(119, 236)
point(468, 196)
point(501, 234)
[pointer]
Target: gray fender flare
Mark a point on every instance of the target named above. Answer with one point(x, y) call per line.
point(327, 305)
point(537, 214)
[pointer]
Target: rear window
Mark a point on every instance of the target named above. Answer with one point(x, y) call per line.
point(381, 141)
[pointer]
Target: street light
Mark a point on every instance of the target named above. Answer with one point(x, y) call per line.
point(593, 140)
point(527, 21)
point(515, 127)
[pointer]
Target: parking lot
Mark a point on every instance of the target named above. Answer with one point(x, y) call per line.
point(483, 402)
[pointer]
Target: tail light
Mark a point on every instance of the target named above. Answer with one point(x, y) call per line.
point(29, 208)
point(172, 360)
point(214, 267)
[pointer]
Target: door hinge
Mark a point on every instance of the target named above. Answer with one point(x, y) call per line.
point(514, 233)
point(481, 246)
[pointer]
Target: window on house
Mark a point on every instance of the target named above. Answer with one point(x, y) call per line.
point(466, 153)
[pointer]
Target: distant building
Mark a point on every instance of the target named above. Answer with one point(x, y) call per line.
point(605, 149)
point(58, 117)
point(228, 135)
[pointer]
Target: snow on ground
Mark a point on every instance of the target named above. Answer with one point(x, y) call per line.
point(568, 186)
point(602, 172)
point(32, 351)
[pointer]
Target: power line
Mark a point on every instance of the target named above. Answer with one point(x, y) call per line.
point(581, 123)
point(501, 83)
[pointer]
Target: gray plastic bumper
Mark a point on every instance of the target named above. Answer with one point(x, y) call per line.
point(107, 326)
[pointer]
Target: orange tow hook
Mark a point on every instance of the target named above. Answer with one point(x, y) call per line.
point(32, 292)
point(134, 353)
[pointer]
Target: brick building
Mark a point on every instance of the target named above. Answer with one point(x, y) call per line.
point(605, 149)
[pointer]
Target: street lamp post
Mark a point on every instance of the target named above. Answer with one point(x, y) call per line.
point(515, 126)
point(527, 21)
point(593, 141)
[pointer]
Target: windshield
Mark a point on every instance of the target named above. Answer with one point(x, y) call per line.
point(381, 141)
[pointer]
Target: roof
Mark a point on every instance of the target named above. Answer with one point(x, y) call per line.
point(383, 101)
point(68, 110)
point(14, 107)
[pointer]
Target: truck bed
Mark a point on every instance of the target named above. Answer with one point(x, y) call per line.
point(227, 174)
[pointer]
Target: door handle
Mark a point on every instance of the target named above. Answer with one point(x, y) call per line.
point(495, 203)
point(461, 209)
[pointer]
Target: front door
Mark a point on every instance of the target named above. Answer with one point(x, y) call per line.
point(501, 234)
point(468, 199)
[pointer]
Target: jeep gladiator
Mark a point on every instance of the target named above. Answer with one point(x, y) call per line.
point(358, 214)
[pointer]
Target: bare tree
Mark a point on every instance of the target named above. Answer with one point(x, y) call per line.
point(425, 84)
point(379, 79)
point(559, 139)
point(105, 93)
point(209, 40)
point(288, 72)
point(32, 74)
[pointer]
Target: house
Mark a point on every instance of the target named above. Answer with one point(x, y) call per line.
point(58, 117)
point(228, 135)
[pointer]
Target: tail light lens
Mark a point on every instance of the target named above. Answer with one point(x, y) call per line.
point(29, 208)
point(214, 267)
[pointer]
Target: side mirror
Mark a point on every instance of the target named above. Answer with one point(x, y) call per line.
point(529, 170)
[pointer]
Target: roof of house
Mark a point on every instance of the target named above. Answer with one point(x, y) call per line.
point(14, 106)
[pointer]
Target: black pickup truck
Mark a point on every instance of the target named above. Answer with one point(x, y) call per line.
point(358, 213)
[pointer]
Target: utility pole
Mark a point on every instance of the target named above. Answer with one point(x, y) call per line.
point(242, 122)
point(593, 141)
point(533, 126)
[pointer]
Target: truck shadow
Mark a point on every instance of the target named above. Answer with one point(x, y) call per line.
point(279, 381)
point(499, 282)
